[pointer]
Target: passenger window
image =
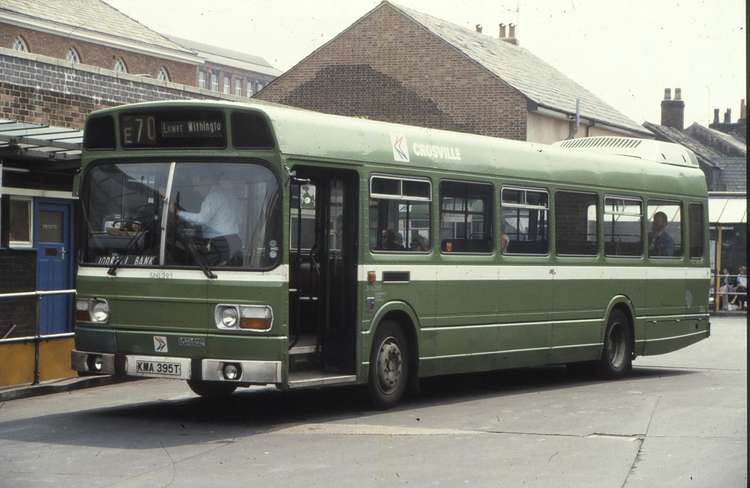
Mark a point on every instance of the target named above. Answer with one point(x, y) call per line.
point(524, 221)
point(622, 227)
point(465, 217)
point(697, 245)
point(665, 234)
point(575, 223)
point(400, 214)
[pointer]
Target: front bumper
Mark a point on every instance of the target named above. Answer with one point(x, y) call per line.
point(253, 372)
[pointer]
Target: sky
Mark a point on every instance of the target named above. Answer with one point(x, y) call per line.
point(625, 52)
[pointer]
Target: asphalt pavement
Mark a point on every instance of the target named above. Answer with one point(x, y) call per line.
point(677, 420)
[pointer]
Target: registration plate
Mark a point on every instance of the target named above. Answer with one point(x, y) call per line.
point(159, 367)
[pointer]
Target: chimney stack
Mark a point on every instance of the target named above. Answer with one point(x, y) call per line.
point(502, 31)
point(743, 110)
point(478, 27)
point(511, 34)
point(728, 116)
point(716, 116)
point(673, 111)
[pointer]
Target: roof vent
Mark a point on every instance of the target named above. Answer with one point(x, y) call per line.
point(647, 149)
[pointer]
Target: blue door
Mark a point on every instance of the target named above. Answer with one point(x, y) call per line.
point(54, 264)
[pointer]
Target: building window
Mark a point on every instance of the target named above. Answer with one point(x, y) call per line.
point(238, 88)
point(622, 227)
point(697, 230)
point(201, 79)
point(73, 56)
point(249, 89)
point(163, 74)
point(465, 217)
point(665, 234)
point(400, 214)
point(120, 66)
point(21, 222)
point(524, 221)
point(19, 44)
point(258, 86)
point(215, 82)
point(227, 85)
point(575, 223)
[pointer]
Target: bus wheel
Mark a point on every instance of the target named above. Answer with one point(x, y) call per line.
point(616, 358)
point(211, 389)
point(389, 365)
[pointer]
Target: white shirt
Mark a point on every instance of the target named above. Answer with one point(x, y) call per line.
point(219, 214)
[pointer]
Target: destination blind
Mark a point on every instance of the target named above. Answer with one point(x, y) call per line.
point(174, 128)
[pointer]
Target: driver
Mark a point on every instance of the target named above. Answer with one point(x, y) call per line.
point(218, 218)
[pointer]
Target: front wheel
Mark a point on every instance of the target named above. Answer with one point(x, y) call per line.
point(389, 365)
point(213, 390)
point(617, 356)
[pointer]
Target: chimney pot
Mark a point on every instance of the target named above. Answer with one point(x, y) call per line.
point(678, 93)
point(716, 116)
point(667, 94)
point(478, 27)
point(502, 31)
point(512, 31)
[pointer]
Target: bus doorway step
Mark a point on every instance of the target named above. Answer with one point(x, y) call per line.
point(309, 379)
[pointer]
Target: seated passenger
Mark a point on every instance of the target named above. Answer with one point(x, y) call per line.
point(391, 241)
point(419, 243)
point(660, 242)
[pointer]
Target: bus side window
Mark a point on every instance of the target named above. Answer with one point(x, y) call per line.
point(575, 223)
point(400, 214)
point(623, 235)
point(697, 230)
point(465, 217)
point(665, 228)
point(524, 221)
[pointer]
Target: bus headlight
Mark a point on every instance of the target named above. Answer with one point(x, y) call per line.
point(99, 310)
point(248, 317)
point(94, 310)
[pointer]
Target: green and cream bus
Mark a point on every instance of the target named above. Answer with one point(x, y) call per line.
point(232, 245)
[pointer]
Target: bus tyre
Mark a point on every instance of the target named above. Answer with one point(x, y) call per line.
point(211, 389)
point(616, 359)
point(389, 365)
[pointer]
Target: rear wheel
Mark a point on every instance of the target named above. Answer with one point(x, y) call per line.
point(389, 365)
point(211, 389)
point(617, 355)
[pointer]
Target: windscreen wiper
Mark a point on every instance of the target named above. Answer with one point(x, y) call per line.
point(190, 244)
point(112, 271)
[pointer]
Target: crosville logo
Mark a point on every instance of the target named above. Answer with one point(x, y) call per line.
point(400, 148)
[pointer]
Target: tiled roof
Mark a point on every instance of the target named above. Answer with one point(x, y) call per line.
point(228, 57)
point(88, 15)
point(733, 168)
point(533, 77)
point(726, 143)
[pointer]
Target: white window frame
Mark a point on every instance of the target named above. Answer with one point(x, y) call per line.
point(238, 88)
point(400, 196)
point(120, 66)
point(640, 216)
point(72, 55)
point(249, 88)
point(23, 244)
point(227, 85)
point(545, 208)
point(214, 81)
point(19, 44)
point(201, 79)
point(163, 74)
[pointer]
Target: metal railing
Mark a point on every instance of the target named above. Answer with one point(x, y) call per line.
point(37, 337)
point(725, 287)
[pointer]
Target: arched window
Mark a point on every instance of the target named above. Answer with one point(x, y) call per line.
point(73, 56)
point(19, 44)
point(163, 74)
point(120, 66)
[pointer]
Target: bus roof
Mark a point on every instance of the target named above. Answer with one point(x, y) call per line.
point(306, 134)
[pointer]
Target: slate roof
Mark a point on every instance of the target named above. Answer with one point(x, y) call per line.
point(228, 57)
point(725, 143)
point(733, 168)
point(533, 77)
point(88, 15)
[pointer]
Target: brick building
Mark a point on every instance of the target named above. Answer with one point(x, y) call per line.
point(399, 65)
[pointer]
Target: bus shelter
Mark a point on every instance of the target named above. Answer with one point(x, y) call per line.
point(37, 265)
point(727, 214)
